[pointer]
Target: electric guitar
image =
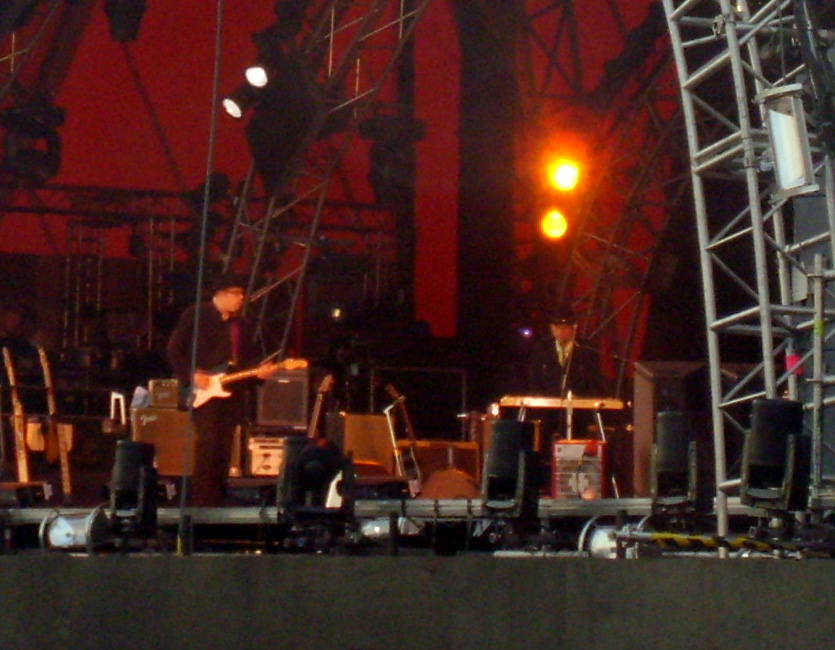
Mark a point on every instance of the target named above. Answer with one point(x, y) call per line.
point(55, 432)
point(18, 421)
point(324, 388)
point(218, 380)
point(406, 464)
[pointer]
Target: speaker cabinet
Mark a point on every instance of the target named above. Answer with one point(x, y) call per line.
point(283, 399)
point(663, 386)
point(166, 429)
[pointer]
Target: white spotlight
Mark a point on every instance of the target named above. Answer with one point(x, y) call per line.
point(257, 75)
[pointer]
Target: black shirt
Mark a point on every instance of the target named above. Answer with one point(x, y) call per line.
point(214, 347)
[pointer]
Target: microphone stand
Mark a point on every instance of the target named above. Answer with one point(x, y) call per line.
point(569, 411)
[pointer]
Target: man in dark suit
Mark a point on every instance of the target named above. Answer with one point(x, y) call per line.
point(560, 364)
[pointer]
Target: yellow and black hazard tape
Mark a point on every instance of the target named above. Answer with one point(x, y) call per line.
point(699, 542)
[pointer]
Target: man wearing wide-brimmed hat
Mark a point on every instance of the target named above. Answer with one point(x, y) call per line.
point(224, 344)
point(560, 363)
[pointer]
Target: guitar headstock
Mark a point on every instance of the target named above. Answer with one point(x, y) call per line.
point(392, 392)
point(292, 364)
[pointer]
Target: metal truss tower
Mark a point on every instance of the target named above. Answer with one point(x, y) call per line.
point(765, 248)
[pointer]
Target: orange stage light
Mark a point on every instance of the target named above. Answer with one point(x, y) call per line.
point(554, 224)
point(564, 175)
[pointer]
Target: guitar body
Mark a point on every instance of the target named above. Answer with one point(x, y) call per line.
point(215, 388)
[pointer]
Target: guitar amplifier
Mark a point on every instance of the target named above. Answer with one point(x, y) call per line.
point(164, 393)
point(578, 469)
point(283, 399)
point(168, 430)
point(266, 453)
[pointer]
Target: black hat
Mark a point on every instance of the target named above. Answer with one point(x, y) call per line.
point(562, 315)
point(224, 281)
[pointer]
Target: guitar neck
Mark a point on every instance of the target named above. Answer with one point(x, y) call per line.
point(287, 364)
point(238, 376)
point(314, 417)
point(407, 422)
point(17, 406)
point(18, 421)
point(324, 387)
point(56, 431)
point(47, 381)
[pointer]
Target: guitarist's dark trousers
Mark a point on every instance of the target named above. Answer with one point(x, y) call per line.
point(214, 424)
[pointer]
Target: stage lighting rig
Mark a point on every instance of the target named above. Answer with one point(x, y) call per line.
point(269, 43)
point(132, 510)
point(31, 145)
point(391, 168)
point(555, 192)
point(306, 521)
point(776, 465)
point(129, 517)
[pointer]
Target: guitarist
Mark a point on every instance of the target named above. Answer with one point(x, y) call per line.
point(224, 344)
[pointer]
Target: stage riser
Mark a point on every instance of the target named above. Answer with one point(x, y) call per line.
point(471, 602)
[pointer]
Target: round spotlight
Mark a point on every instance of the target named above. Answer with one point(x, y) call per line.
point(564, 175)
point(554, 224)
point(232, 107)
point(239, 101)
point(257, 76)
point(337, 314)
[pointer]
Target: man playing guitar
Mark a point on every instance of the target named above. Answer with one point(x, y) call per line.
point(224, 344)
